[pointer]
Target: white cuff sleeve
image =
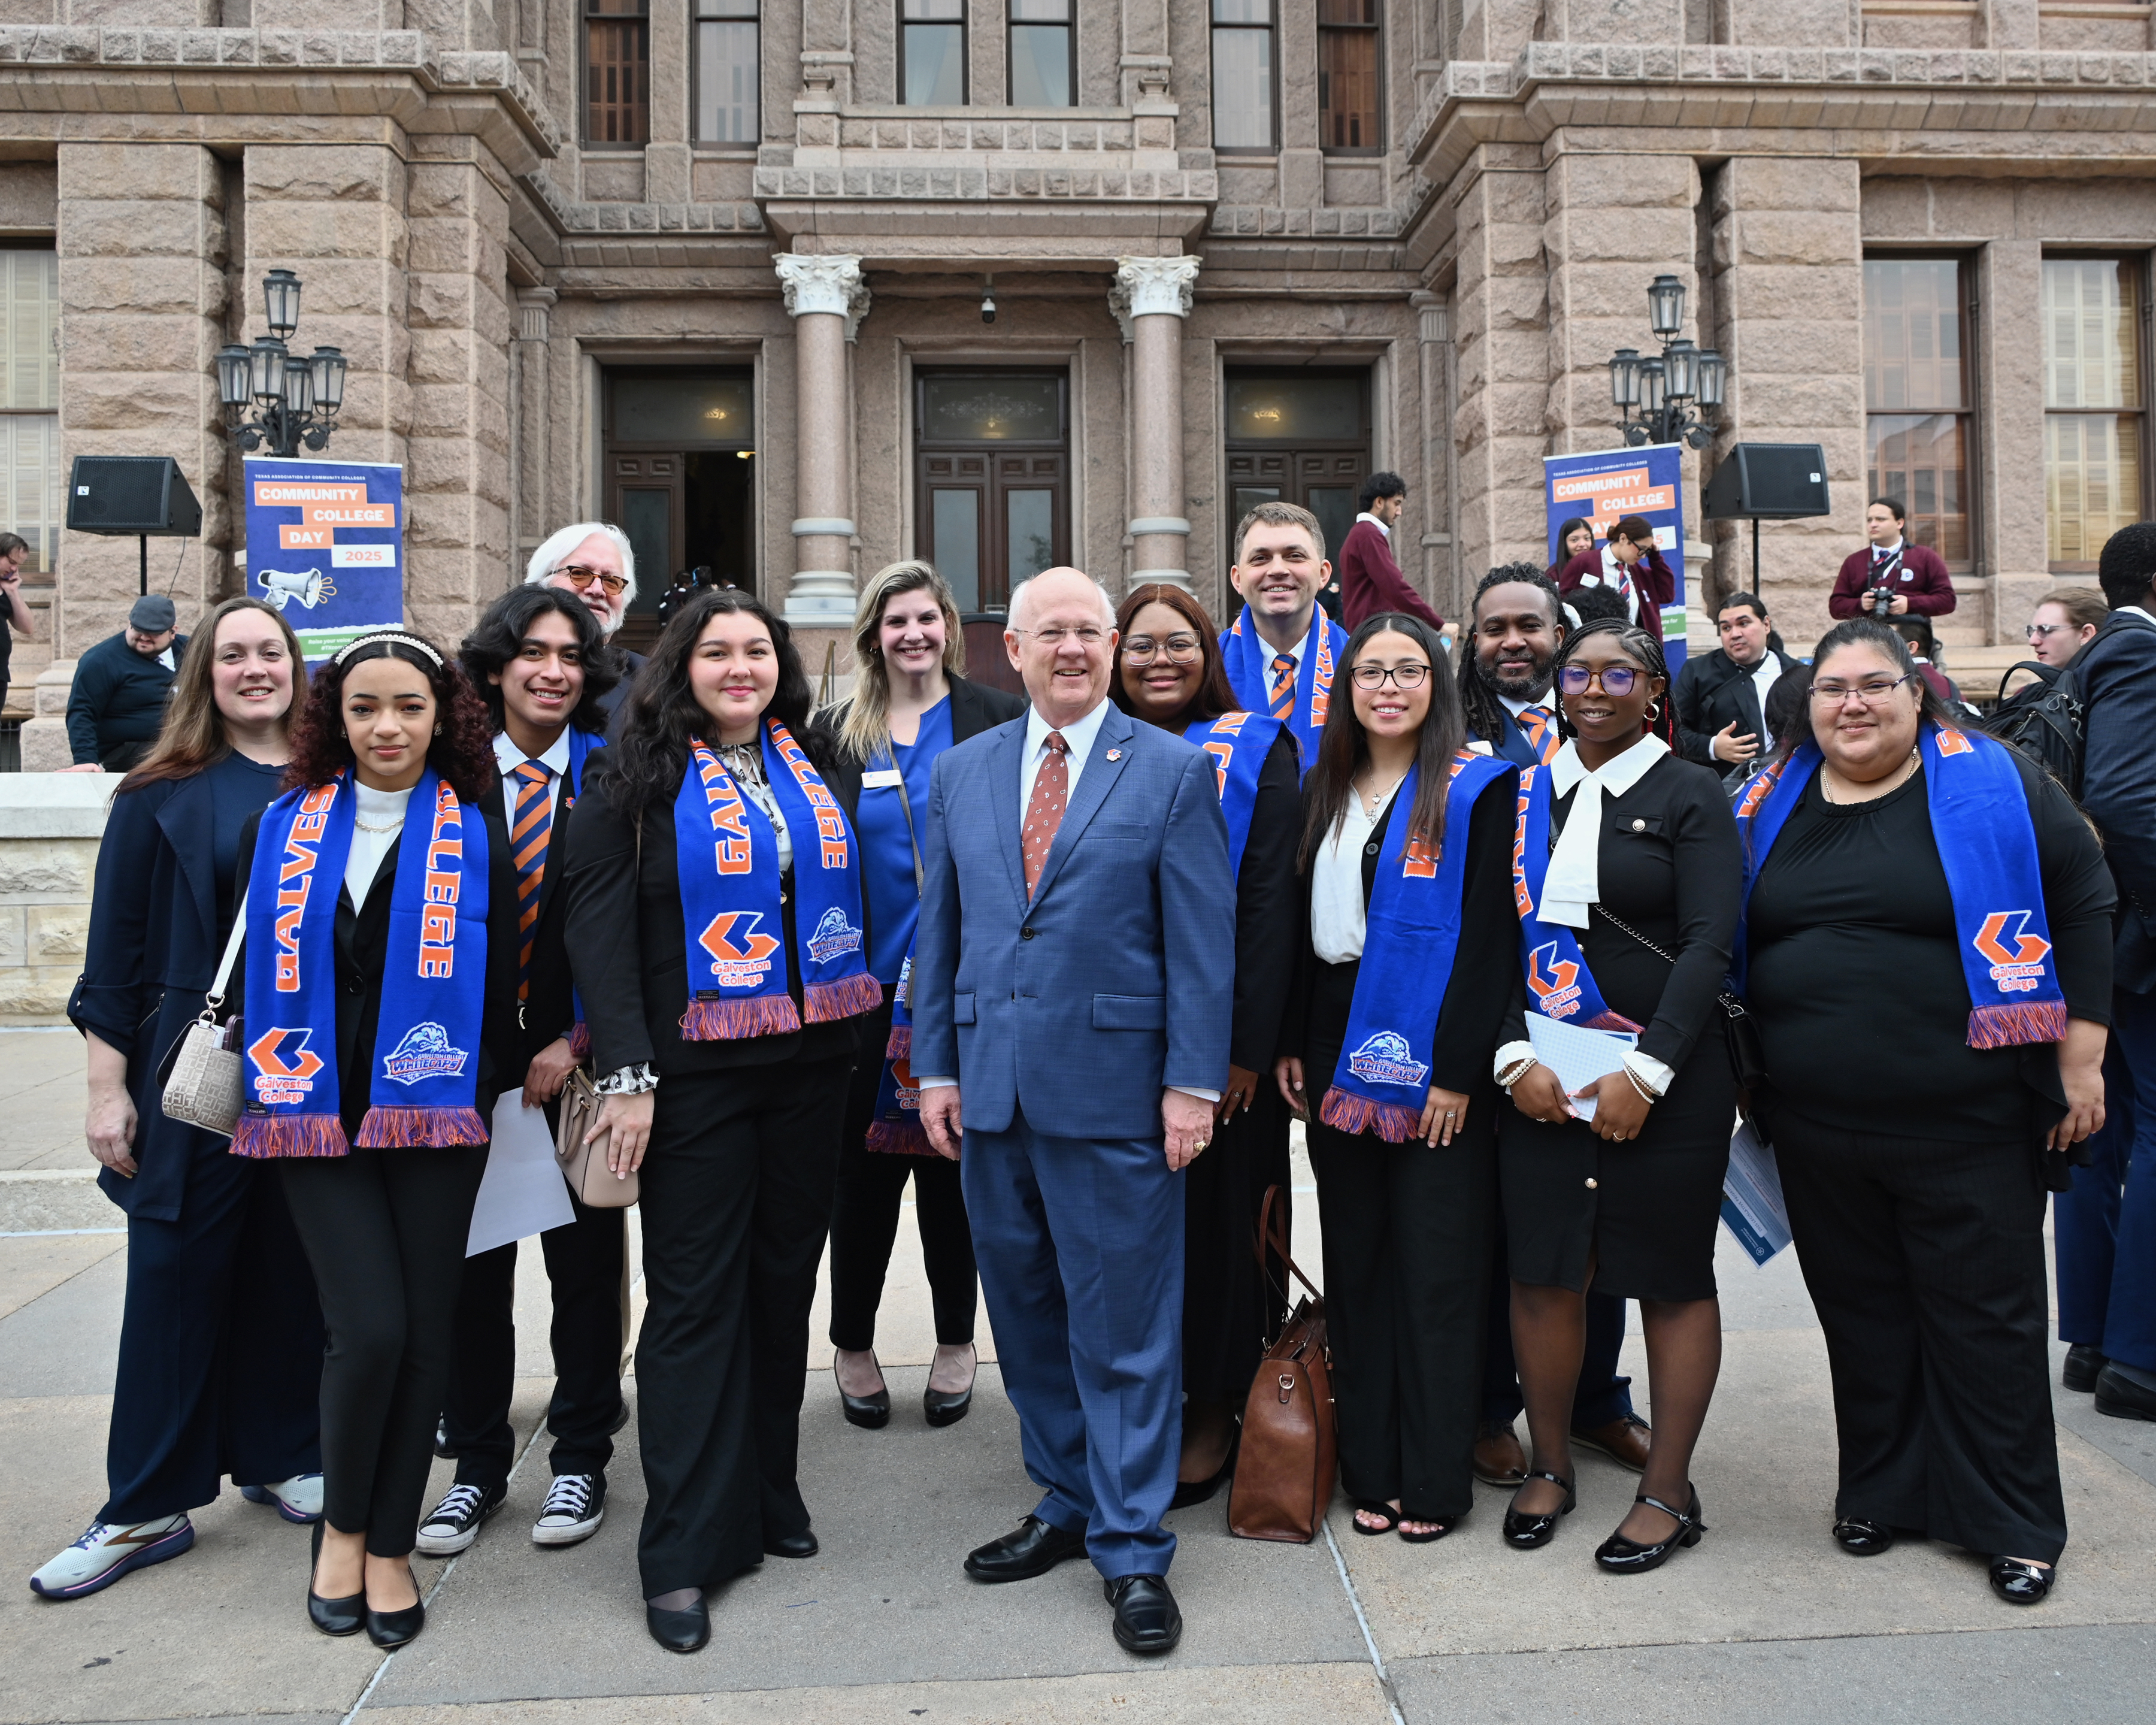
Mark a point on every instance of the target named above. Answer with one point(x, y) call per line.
point(1510, 1054)
point(1650, 1071)
point(1203, 1095)
point(921, 1083)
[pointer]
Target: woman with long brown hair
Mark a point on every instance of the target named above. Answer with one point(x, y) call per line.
point(220, 1340)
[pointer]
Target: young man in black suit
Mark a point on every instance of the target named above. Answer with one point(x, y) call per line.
point(1721, 695)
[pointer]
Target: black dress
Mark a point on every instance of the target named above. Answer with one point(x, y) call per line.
point(1644, 1210)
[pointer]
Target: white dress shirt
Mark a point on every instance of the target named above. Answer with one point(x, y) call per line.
point(508, 757)
point(383, 809)
point(1336, 883)
point(1367, 517)
point(1765, 675)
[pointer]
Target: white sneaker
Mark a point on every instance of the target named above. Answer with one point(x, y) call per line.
point(576, 1505)
point(108, 1551)
point(298, 1499)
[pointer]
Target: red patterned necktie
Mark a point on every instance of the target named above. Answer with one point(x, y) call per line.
point(1283, 685)
point(1541, 726)
point(533, 826)
point(1044, 808)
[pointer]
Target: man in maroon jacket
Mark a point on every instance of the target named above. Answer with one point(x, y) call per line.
point(1370, 577)
point(1914, 575)
point(1632, 564)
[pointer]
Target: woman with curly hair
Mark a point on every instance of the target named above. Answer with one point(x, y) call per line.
point(380, 1005)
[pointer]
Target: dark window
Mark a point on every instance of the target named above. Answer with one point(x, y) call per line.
point(728, 72)
point(931, 53)
point(617, 72)
point(1348, 90)
point(2095, 403)
point(1044, 64)
point(1243, 75)
point(1297, 437)
point(1919, 418)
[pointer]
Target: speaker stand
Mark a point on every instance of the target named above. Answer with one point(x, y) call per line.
point(1755, 554)
point(143, 540)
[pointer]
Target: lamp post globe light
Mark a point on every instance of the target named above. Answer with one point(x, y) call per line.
point(1661, 399)
point(274, 399)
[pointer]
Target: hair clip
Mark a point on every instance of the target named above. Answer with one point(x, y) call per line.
point(387, 638)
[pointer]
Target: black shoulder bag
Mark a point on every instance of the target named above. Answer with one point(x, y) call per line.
point(1747, 1054)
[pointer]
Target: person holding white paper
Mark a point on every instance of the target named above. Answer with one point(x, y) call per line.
point(1625, 875)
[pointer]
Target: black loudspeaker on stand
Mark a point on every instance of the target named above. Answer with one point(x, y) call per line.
point(1772, 482)
point(146, 495)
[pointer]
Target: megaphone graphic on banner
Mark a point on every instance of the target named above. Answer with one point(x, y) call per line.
point(282, 585)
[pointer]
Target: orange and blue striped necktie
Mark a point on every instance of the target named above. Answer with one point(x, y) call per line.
point(1283, 685)
point(1540, 724)
point(533, 827)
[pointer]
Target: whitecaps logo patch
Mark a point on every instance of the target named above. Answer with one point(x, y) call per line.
point(833, 936)
point(1385, 1058)
point(424, 1053)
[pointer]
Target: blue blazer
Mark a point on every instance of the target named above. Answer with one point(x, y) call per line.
point(1119, 980)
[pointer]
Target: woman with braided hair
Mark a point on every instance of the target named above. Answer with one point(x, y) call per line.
point(1626, 876)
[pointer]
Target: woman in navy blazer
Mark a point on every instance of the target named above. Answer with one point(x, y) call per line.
point(221, 1341)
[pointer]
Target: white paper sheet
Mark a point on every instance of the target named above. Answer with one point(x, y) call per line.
point(1752, 1206)
point(523, 1192)
point(1578, 1055)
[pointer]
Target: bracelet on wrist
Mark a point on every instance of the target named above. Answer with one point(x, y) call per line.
point(1646, 1095)
point(1513, 1073)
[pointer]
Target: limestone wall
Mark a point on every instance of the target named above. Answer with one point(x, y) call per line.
point(50, 825)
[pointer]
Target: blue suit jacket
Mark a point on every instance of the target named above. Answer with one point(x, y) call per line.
point(1119, 980)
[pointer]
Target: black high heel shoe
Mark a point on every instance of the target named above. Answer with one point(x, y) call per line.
point(1627, 1557)
point(871, 1413)
point(1524, 1532)
point(945, 1407)
point(332, 1617)
point(391, 1629)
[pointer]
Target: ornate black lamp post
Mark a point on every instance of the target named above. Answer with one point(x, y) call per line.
point(1664, 391)
point(274, 399)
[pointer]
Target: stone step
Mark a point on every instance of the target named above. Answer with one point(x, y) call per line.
point(55, 1201)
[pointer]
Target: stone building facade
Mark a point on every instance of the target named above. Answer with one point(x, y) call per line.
point(716, 268)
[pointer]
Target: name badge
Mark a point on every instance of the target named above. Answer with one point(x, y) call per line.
point(882, 778)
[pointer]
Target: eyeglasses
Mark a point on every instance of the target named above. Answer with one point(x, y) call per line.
point(1615, 678)
point(579, 576)
point(2044, 631)
point(1874, 692)
point(1179, 650)
point(1401, 676)
point(1054, 635)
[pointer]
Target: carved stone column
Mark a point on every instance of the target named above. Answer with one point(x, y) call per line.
point(827, 299)
point(528, 419)
point(1150, 298)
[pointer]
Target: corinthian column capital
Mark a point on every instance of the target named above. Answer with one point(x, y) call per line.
point(1146, 287)
point(821, 283)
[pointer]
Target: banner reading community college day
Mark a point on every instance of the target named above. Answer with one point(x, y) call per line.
point(325, 545)
point(1606, 484)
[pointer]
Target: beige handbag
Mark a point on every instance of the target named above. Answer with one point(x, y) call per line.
point(207, 1080)
point(584, 1166)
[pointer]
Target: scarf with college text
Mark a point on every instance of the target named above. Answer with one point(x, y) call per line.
point(1559, 984)
point(1239, 743)
point(1987, 840)
point(1249, 674)
point(581, 743)
point(895, 1127)
point(1411, 932)
point(726, 851)
point(423, 1086)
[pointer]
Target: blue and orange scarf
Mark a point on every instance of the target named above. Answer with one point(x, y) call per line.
point(1987, 840)
point(895, 1127)
point(1559, 984)
point(1239, 743)
point(726, 850)
point(423, 1087)
point(1412, 933)
point(1249, 674)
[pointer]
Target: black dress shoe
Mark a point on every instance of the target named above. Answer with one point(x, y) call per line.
point(871, 1413)
point(792, 1545)
point(1621, 1555)
point(2121, 1397)
point(2083, 1363)
point(1863, 1539)
point(620, 1417)
point(2020, 1583)
point(391, 1629)
point(443, 1447)
point(1524, 1532)
point(332, 1617)
point(943, 1408)
point(1147, 1620)
point(1033, 1548)
point(682, 1631)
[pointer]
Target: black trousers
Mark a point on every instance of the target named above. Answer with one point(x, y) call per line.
point(1231, 1308)
point(385, 1231)
point(865, 1218)
point(1407, 1236)
point(584, 1268)
point(1925, 1259)
point(737, 1187)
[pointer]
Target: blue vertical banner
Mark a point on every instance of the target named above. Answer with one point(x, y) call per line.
point(1605, 486)
point(326, 545)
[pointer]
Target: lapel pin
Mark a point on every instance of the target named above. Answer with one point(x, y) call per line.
point(1114, 755)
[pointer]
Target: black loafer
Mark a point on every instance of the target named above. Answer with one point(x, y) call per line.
point(2119, 1396)
point(2083, 1363)
point(1147, 1619)
point(2020, 1583)
point(391, 1629)
point(1033, 1548)
point(683, 1631)
point(792, 1545)
point(1863, 1539)
point(332, 1617)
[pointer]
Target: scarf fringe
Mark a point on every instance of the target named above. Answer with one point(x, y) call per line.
point(848, 997)
point(1610, 1020)
point(737, 1020)
point(900, 1137)
point(2001, 1026)
point(1346, 1112)
point(262, 1137)
point(414, 1128)
point(901, 1045)
point(580, 1041)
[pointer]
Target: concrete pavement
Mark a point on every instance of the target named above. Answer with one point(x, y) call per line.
point(1766, 1620)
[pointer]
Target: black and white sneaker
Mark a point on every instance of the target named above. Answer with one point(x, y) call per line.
point(576, 1505)
point(454, 1523)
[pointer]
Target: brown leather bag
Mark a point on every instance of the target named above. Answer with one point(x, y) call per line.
point(1284, 1475)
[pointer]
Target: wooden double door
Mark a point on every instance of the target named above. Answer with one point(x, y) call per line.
point(991, 478)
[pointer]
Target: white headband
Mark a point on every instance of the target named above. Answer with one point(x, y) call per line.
point(388, 638)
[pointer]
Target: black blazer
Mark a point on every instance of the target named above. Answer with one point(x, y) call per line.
point(362, 940)
point(975, 707)
point(1714, 691)
point(1266, 925)
point(548, 1010)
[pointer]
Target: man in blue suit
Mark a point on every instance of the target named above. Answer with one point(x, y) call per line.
point(1073, 985)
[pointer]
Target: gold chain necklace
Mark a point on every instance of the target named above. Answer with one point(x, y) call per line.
point(1907, 770)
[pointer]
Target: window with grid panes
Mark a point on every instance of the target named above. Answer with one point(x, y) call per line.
point(1044, 60)
point(1918, 420)
point(1243, 75)
point(1347, 93)
point(931, 53)
point(2094, 403)
point(617, 72)
point(29, 404)
point(728, 72)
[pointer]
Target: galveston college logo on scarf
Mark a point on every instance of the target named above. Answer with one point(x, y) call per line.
point(2018, 969)
point(1555, 982)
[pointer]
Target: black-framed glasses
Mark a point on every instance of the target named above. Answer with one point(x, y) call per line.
point(1873, 691)
point(580, 576)
point(1178, 650)
point(1618, 680)
point(1403, 676)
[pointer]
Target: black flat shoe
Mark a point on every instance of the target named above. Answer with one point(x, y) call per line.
point(1863, 1539)
point(871, 1413)
point(942, 1408)
point(2083, 1363)
point(1033, 1548)
point(332, 1617)
point(1147, 1619)
point(390, 1629)
point(1190, 1492)
point(792, 1545)
point(1524, 1532)
point(1621, 1555)
point(683, 1631)
point(2020, 1583)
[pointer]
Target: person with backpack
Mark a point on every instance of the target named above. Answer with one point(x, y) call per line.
point(2105, 1224)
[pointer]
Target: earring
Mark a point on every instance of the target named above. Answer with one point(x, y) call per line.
point(438, 730)
point(1653, 711)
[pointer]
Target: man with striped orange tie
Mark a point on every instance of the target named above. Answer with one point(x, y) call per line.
point(1283, 651)
point(540, 661)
